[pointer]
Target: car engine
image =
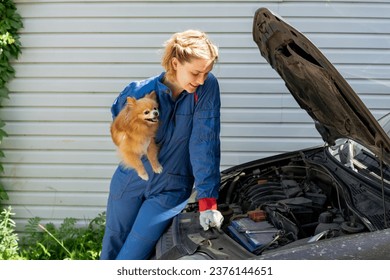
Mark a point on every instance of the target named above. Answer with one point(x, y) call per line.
point(303, 198)
point(275, 205)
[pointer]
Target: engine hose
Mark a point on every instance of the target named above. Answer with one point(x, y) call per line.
point(269, 193)
point(232, 187)
point(268, 198)
point(256, 188)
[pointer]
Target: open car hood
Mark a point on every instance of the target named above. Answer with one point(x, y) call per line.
point(316, 85)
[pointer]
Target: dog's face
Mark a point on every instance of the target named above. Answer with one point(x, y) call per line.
point(144, 109)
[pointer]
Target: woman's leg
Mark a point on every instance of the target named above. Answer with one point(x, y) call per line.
point(152, 220)
point(123, 205)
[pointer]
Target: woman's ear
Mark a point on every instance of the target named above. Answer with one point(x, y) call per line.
point(174, 62)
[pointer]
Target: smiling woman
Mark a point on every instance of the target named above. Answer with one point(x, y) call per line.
point(139, 211)
point(189, 57)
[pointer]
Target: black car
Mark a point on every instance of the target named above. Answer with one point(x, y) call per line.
point(328, 202)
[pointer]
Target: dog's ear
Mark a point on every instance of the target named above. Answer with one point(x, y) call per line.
point(151, 95)
point(131, 101)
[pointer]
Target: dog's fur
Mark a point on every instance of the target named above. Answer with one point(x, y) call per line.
point(133, 131)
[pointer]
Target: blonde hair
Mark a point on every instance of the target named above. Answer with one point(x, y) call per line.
point(185, 46)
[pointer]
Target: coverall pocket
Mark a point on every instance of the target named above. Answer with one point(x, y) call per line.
point(183, 125)
point(177, 190)
point(120, 180)
point(207, 125)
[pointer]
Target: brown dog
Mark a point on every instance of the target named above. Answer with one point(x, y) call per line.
point(133, 131)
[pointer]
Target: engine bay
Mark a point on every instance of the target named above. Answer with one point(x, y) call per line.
point(268, 207)
point(274, 206)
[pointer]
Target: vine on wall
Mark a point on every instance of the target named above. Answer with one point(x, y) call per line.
point(10, 48)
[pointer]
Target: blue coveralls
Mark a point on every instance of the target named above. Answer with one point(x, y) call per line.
point(139, 211)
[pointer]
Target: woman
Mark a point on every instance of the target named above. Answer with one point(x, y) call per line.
point(139, 211)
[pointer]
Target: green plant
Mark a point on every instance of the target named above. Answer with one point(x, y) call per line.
point(10, 48)
point(9, 249)
point(68, 241)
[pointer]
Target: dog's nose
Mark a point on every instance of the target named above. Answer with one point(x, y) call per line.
point(155, 113)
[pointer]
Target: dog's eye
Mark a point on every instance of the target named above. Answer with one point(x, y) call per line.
point(155, 108)
point(146, 112)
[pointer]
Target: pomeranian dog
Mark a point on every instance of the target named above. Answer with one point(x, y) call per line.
point(133, 131)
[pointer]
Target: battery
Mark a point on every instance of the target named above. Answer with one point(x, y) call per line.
point(250, 234)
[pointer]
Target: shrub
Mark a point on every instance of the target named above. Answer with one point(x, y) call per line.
point(8, 238)
point(68, 241)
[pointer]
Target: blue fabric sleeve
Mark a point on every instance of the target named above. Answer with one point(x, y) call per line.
point(204, 143)
point(136, 89)
point(121, 100)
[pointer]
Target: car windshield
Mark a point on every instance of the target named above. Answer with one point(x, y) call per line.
point(360, 159)
point(385, 123)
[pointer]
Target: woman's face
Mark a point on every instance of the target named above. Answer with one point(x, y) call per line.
point(190, 75)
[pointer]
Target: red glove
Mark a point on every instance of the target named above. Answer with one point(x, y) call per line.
point(209, 215)
point(207, 204)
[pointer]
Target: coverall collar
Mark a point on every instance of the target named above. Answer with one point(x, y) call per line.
point(163, 88)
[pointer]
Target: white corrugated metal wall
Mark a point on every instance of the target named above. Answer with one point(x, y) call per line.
point(77, 56)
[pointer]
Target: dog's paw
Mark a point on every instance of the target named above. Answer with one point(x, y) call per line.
point(144, 176)
point(158, 169)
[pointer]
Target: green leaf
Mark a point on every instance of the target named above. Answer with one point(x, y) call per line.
point(3, 134)
point(4, 93)
point(16, 24)
point(3, 194)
